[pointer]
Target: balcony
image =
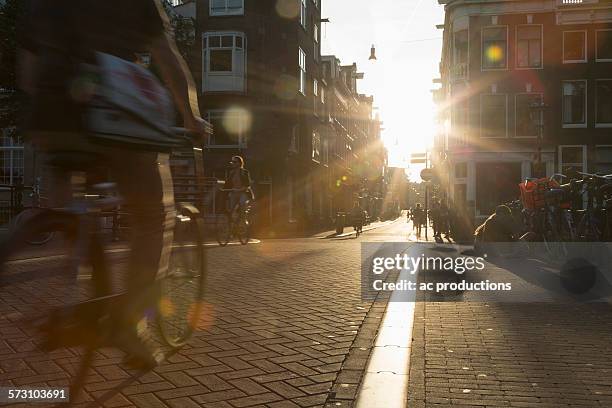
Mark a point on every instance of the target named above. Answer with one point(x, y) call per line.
point(459, 72)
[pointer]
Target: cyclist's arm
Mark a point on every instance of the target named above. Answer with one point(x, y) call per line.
point(178, 78)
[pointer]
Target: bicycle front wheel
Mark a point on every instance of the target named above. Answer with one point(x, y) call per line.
point(242, 230)
point(182, 289)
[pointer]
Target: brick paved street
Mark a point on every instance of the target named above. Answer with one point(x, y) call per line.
point(285, 327)
point(282, 318)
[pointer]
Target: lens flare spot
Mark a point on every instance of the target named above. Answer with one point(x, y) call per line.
point(166, 307)
point(495, 53)
point(288, 8)
point(237, 120)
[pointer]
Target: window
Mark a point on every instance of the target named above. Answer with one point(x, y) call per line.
point(11, 159)
point(493, 115)
point(303, 13)
point(529, 46)
point(230, 128)
point(494, 47)
point(316, 147)
point(603, 156)
point(461, 170)
point(224, 62)
point(302, 63)
point(574, 46)
point(573, 157)
point(460, 47)
point(315, 87)
point(315, 32)
point(604, 45)
point(527, 124)
point(574, 103)
point(603, 104)
point(226, 7)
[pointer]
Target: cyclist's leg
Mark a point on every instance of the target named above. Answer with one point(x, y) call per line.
point(151, 206)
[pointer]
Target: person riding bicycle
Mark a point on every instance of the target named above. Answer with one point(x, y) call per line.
point(57, 39)
point(418, 218)
point(357, 216)
point(238, 182)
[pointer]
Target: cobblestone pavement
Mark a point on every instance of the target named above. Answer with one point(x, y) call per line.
point(284, 327)
point(550, 353)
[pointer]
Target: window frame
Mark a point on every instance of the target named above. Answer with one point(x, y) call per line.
point(206, 59)
point(482, 50)
point(480, 127)
point(225, 13)
point(516, 96)
point(584, 157)
point(242, 136)
point(597, 59)
point(14, 148)
point(597, 161)
point(316, 136)
point(604, 124)
point(516, 40)
point(586, 50)
point(303, 13)
point(302, 70)
point(586, 110)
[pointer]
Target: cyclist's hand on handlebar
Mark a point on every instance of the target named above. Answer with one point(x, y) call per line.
point(197, 125)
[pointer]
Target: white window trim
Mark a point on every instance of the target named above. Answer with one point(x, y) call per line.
point(226, 12)
point(206, 61)
point(313, 147)
point(516, 66)
point(303, 13)
point(597, 59)
point(480, 127)
point(242, 143)
point(482, 68)
point(302, 84)
point(516, 136)
point(600, 125)
point(586, 108)
point(586, 50)
point(584, 157)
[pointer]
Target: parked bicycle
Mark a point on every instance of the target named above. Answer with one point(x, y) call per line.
point(234, 223)
point(37, 202)
point(92, 306)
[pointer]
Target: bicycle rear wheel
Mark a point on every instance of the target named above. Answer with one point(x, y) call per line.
point(222, 229)
point(182, 289)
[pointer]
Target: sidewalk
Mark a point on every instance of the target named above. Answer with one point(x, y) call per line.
point(550, 353)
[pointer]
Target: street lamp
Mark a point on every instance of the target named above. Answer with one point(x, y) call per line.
point(537, 112)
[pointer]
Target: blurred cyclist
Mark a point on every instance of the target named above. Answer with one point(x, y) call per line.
point(239, 182)
point(57, 37)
